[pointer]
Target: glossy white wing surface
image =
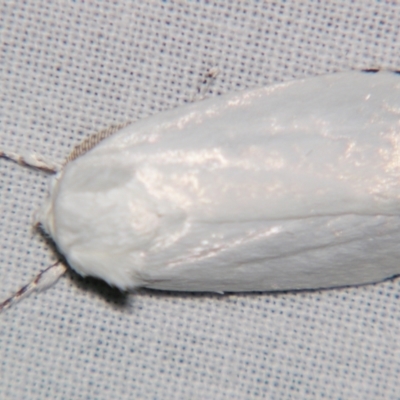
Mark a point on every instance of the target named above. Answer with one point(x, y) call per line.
point(291, 186)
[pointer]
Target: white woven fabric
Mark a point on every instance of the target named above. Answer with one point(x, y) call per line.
point(71, 68)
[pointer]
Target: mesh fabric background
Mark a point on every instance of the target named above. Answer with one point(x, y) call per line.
point(71, 68)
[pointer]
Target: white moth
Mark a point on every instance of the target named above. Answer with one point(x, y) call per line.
point(292, 186)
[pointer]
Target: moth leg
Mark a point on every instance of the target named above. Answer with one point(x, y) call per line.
point(42, 281)
point(204, 84)
point(97, 137)
point(32, 161)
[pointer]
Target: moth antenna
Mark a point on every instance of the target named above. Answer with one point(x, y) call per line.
point(32, 161)
point(42, 281)
point(93, 140)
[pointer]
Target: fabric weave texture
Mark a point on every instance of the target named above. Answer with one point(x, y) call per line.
point(69, 69)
